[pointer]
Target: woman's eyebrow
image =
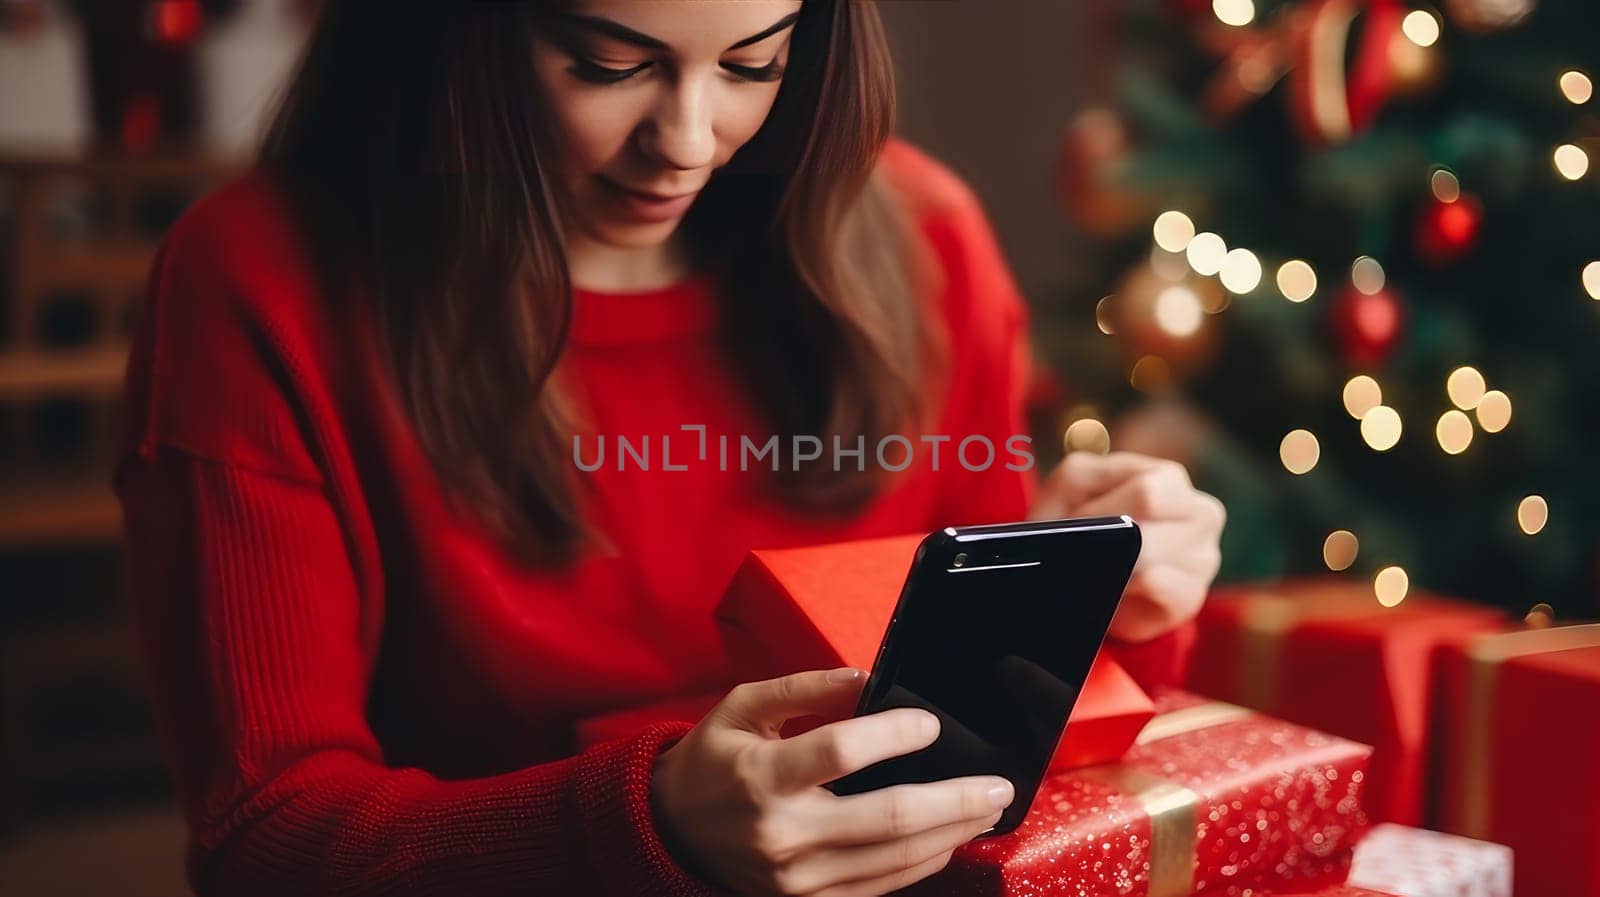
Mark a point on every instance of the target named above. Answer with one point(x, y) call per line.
point(618, 31)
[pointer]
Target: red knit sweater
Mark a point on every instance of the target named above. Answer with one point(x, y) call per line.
point(360, 693)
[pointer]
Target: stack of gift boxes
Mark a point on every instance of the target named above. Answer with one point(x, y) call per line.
point(1319, 739)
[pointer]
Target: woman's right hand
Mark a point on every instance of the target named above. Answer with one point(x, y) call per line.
point(747, 809)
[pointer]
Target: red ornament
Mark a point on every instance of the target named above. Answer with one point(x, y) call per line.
point(1095, 152)
point(1447, 231)
point(1366, 326)
point(1339, 84)
point(173, 21)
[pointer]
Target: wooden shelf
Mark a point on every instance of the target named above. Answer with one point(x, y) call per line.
point(59, 509)
point(95, 371)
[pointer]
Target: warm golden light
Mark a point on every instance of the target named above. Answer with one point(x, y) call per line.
point(1591, 280)
point(1361, 394)
point(1494, 411)
point(1206, 252)
point(1299, 451)
point(1540, 616)
point(1241, 271)
point(1380, 428)
point(1297, 280)
point(1391, 585)
point(1571, 161)
point(1576, 87)
point(1173, 266)
point(1465, 386)
point(1102, 317)
point(1532, 514)
point(1215, 301)
point(1087, 435)
point(1367, 275)
point(1150, 374)
point(1420, 27)
point(1173, 230)
point(1445, 186)
point(1339, 550)
point(1178, 311)
point(1234, 12)
point(1454, 431)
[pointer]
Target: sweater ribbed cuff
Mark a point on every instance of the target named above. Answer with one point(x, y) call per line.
point(612, 787)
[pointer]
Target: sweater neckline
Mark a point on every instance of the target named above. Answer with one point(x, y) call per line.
point(609, 317)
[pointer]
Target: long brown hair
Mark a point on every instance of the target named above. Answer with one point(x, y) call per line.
point(416, 144)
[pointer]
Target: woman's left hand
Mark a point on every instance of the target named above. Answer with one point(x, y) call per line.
point(1180, 525)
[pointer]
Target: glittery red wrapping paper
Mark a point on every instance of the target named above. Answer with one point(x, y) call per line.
point(1334, 891)
point(1280, 806)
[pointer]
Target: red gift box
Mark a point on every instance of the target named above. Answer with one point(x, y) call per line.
point(1519, 751)
point(1322, 652)
point(1334, 891)
point(824, 606)
point(1213, 799)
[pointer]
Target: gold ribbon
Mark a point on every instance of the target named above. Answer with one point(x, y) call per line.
point(1484, 656)
point(1266, 616)
point(1170, 806)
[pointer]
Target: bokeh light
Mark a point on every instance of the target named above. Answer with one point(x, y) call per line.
point(1087, 434)
point(1571, 161)
point(1454, 431)
point(1241, 271)
point(1173, 230)
point(1465, 386)
point(1206, 252)
point(1299, 451)
point(1532, 514)
point(1297, 280)
point(1178, 311)
point(1391, 585)
point(1445, 186)
point(1234, 12)
point(1367, 275)
point(1339, 550)
point(1380, 428)
point(1494, 411)
point(1361, 394)
point(1576, 87)
point(1151, 373)
point(1420, 27)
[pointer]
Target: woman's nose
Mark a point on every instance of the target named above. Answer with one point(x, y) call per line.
point(681, 133)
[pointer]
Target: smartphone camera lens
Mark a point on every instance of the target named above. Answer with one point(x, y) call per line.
point(960, 559)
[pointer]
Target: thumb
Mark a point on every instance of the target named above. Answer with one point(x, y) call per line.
point(764, 706)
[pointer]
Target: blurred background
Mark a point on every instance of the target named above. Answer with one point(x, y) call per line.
point(1340, 257)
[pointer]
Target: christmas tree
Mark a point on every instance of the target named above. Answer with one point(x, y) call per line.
point(1341, 260)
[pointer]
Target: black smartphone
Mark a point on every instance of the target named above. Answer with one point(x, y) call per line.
point(994, 632)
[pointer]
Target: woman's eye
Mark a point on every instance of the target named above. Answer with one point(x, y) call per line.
point(769, 72)
point(595, 73)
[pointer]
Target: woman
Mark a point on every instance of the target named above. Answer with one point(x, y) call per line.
point(378, 570)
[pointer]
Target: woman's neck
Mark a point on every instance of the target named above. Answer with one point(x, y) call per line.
point(619, 269)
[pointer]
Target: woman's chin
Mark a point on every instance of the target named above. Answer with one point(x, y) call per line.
point(633, 235)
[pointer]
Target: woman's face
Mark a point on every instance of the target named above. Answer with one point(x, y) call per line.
point(653, 96)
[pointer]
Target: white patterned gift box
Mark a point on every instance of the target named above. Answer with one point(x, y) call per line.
point(1411, 862)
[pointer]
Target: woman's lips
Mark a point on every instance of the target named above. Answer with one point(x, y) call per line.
point(646, 206)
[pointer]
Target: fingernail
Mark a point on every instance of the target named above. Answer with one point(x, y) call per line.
point(1000, 795)
point(929, 725)
point(844, 674)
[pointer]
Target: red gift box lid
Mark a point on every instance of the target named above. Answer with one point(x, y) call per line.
point(823, 606)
